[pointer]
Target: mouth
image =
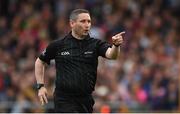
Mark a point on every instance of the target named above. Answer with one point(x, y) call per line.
point(86, 30)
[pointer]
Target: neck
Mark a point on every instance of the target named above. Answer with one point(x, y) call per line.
point(77, 36)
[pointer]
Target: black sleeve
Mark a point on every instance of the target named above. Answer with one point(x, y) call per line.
point(102, 47)
point(48, 53)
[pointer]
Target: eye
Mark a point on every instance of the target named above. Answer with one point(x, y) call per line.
point(83, 21)
point(89, 21)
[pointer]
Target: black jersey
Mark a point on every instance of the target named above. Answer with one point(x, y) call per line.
point(76, 63)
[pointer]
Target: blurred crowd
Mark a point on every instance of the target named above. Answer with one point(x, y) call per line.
point(143, 79)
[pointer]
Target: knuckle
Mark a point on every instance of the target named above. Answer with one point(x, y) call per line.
point(40, 94)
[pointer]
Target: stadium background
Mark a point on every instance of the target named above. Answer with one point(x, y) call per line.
point(143, 79)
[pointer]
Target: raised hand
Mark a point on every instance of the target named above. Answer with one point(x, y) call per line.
point(117, 39)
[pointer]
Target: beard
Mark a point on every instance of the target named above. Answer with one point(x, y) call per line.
point(81, 33)
point(85, 33)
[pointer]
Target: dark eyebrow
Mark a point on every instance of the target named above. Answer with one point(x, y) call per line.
point(89, 20)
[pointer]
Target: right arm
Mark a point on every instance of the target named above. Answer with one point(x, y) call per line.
point(44, 58)
point(39, 71)
point(39, 74)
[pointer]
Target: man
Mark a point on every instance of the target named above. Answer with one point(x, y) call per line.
point(76, 58)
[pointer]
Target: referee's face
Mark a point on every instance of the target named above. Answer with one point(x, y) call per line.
point(81, 25)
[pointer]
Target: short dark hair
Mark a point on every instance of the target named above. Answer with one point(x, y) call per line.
point(74, 14)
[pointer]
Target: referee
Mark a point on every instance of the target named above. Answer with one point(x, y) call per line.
point(76, 58)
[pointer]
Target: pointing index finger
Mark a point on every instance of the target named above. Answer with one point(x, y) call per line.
point(119, 34)
point(122, 33)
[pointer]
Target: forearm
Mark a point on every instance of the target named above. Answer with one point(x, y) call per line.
point(39, 71)
point(113, 52)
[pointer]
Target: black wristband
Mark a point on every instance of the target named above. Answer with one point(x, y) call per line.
point(116, 45)
point(38, 86)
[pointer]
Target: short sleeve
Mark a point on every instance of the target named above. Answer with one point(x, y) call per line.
point(102, 47)
point(49, 53)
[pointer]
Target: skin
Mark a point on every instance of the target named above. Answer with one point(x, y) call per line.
point(80, 28)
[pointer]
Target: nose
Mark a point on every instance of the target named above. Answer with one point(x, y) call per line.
point(87, 24)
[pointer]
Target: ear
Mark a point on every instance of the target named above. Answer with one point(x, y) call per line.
point(71, 22)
